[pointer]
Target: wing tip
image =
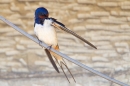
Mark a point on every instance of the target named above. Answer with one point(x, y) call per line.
point(95, 47)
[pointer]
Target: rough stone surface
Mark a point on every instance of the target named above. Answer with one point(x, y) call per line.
point(104, 23)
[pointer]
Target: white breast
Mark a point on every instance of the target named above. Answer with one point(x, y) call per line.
point(46, 33)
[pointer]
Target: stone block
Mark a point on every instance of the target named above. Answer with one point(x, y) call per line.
point(3, 70)
point(121, 44)
point(2, 82)
point(105, 51)
point(65, 36)
point(115, 13)
point(100, 43)
point(30, 23)
point(29, 15)
point(94, 26)
point(113, 55)
point(99, 64)
point(99, 58)
point(10, 58)
point(3, 44)
point(35, 46)
point(6, 11)
point(122, 50)
point(14, 17)
point(4, 39)
point(93, 20)
point(101, 38)
point(80, 57)
point(119, 68)
point(5, 1)
point(110, 55)
point(104, 47)
point(108, 4)
point(76, 8)
point(103, 32)
point(79, 28)
point(125, 26)
point(6, 29)
point(84, 15)
point(13, 7)
point(118, 18)
point(126, 58)
point(124, 13)
point(17, 39)
point(13, 64)
point(125, 3)
point(120, 38)
point(23, 61)
point(20, 70)
point(25, 42)
point(86, 1)
point(40, 53)
point(99, 13)
point(111, 21)
point(112, 28)
point(43, 63)
point(128, 19)
point(70, 44)
point(31, 32)
point(28, 8)
point(11, 42)
point(18, 22)
point(3, 50)
point(20, 47)
point(13, 34)
point(12, 52)
point(66, 7)
point(125, 7)
point(72, 21)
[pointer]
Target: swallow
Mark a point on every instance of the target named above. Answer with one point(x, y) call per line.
point(44, 28)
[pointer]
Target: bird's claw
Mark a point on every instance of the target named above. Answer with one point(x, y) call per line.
point(40, 43)
point(49, 47)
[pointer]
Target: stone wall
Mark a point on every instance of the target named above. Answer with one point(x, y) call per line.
point(105, 23)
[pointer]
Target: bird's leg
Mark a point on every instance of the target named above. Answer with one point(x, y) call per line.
point(39, 42)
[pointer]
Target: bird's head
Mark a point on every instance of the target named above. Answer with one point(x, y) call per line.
point(40, 14)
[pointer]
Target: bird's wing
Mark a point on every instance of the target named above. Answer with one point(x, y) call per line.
point(61, 26)
point(51, 60)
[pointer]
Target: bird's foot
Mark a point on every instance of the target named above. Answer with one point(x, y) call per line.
point(40, 43)
point(49, 47)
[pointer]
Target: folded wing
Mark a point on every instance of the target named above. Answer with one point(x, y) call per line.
point(61, 26)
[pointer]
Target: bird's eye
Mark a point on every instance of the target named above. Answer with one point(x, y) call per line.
point(46, 15)
point(41, 16)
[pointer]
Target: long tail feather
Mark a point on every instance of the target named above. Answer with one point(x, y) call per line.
point(64, 72)
point(69, 71)
point(61, 62)
point(51, 60)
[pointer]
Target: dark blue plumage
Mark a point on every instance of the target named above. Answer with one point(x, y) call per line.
point(40, 14)
point(41, 11)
